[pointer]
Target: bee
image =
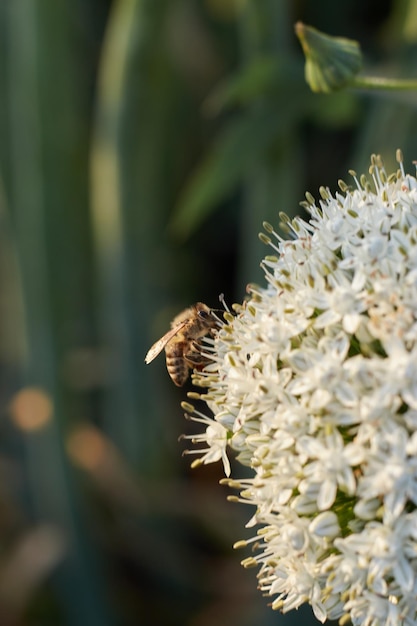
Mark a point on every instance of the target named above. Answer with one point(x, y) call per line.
point(181, 343)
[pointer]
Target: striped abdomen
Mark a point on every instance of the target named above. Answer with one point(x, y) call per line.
point(177, 366)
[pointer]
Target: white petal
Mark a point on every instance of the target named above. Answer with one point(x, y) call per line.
point(325, 525)
point(327, 495)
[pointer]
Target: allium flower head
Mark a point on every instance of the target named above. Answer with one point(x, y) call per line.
point(313, 384)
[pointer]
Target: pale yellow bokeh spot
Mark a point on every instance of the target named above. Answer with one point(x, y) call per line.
point(31, 409)
point(87, 447)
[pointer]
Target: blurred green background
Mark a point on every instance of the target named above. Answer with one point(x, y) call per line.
point(143, 142)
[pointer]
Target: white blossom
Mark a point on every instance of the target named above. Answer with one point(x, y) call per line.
point(313, 385)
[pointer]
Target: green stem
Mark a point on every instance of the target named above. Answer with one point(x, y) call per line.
point(376, 82)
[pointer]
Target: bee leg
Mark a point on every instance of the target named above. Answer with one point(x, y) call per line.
point(194, 358)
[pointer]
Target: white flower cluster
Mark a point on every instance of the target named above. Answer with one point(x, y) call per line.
point(314, 384)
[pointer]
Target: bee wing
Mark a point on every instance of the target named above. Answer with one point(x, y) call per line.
point(159, 345)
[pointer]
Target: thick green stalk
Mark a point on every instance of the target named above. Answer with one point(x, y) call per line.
point(387, 84)
point(131, 187)
point(40, 188)
point(271, 185)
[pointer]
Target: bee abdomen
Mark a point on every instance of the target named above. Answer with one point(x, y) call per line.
point(177, 366)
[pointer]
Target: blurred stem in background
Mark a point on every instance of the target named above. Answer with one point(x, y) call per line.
point(271, 184)
point(134, 155)
point(127, 28)
point(390, 119)
point(45, 191)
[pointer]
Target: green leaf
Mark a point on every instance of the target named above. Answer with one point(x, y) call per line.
point(245, 141)
point(247, 85)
